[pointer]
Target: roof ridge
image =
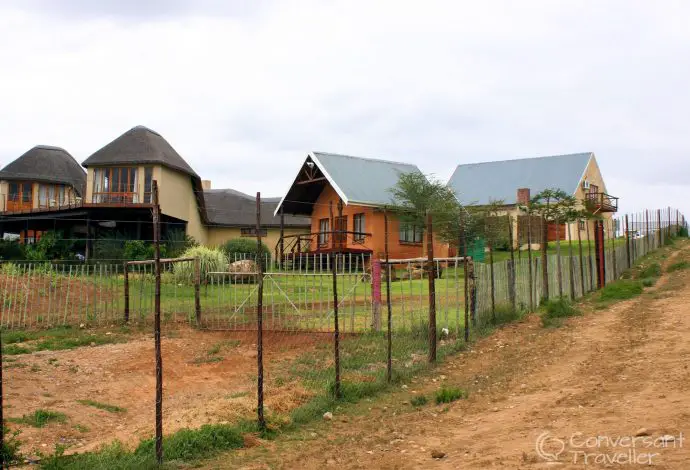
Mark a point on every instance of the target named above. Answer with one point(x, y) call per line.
point(49, 147)
point(379, 160)
point(526, 158)
point(147, 129)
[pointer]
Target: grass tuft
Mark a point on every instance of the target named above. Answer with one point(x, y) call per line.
point(102, 406)
point(653, 270)
point(14, 349)
point(419, 400)
point(555, 310)
point(40, 418)
point(449, 395)
point(623, 289)
point(679, 266)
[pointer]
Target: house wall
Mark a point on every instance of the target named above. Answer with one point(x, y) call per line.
point(592, 174)
point(375, 225)
point(176, 198)
point(35, 186)
point(219, 235)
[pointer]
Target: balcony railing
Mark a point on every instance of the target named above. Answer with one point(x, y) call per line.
point(601, 202)
point(322, 242)
point(15, 205)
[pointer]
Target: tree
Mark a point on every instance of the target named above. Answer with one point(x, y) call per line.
point(415, 196)
point(549, 205)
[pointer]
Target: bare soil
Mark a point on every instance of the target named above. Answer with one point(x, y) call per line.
point(608, 373)
point(199, 387)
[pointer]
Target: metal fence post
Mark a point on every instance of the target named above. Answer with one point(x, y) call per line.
point(126, 282)
point(197, 291)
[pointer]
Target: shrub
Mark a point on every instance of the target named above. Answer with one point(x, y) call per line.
point(448, 395)
point(243, 246)
point(135, 250)
point(621, 290)
point(211, 260)
point(177, 242)
point(10, 269)
point(648, 281)
point(51, 246)
point(11, 250)
point(683, 231)
point(10, 447)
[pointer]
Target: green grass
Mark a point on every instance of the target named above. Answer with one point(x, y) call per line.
point(556, 310)
point(185, 445)
point(40, 418)
point(449, 395)
point(623, 289)
point(55, 339)
point(653, 270)
point(419, 400)
point(679, 266)
point(102, 406)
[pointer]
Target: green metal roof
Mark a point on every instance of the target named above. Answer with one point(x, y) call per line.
point(480, 183)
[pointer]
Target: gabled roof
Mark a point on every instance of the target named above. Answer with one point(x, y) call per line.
point(357, 180)
point(46, 164)
point(230, 208)
point(140, 145)
point(480, 183)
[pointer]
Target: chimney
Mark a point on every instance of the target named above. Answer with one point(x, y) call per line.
point(523, 196)
point(206, 185)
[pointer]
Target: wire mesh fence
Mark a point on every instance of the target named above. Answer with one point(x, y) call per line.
point(382, 308)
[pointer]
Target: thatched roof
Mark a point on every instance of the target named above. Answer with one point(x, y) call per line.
point(138, 146)
point(47, 164)
point(230, 208)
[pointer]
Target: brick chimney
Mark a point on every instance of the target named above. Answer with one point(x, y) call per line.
point(523, 196)
point(206, 184)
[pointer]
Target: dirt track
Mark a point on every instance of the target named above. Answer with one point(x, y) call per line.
point(607, 373)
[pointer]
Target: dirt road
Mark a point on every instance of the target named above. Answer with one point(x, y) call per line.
point(608, 373)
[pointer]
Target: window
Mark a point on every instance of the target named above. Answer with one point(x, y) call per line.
point(115, 185)
point(148, 178)
point(358, 226)
point(251, 232)
point(581, 224)
point(410, 233)
point(324, 228)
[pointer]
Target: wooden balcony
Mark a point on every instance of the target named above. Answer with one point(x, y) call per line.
point(323, 242)
point(601, 202)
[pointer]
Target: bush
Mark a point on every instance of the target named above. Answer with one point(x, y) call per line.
point(177, 242)
point(419, 400)
point(211, 260)
point(648, 281)
point(10, 447)
point(135, 250)
point(448, 395)
point(238, 247)
point(11, 250)
point(51, 246)
point(683, 231)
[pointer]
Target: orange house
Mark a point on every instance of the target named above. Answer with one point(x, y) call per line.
point(346, 198)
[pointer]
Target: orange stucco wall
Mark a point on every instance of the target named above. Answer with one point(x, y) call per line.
point(373, 224)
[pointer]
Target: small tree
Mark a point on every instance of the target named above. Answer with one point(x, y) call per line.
point(548, 204)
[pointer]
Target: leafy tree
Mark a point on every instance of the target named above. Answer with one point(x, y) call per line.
point(415, 196)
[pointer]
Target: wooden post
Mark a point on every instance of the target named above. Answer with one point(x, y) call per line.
point(260, 320)
point(336, 330)
point(493, 281)
point(197, 290)
point(661, 232)
point(582, 260)
point(613, 249)
point(511, 267)
point(589, 258)
point(2, 406)
point(646, 229)
point(432, 287)
point(559, 264)
point(462, 241)
point(157, 323)
point(571, 273)
point(627, 241)
point(126, 272)
point(544, 258)
point(529, 258)
point(389, 359)
point(87, 249)
point(282, 241)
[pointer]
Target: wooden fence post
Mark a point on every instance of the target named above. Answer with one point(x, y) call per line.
point(627, 240)
point(336, 320)
point(197, 291)
point(582, 260)
point(157, 323)
point(511, 267)
point(529, 258)
point(432, 288)
point(126, 272)
point(260, 319)
point(389, 358)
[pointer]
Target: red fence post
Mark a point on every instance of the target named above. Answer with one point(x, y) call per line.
point(376, 293)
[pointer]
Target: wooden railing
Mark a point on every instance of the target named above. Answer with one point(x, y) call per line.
point(320, 241)
point(601, 202)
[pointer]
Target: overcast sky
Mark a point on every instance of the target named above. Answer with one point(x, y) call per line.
point(245, 89)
